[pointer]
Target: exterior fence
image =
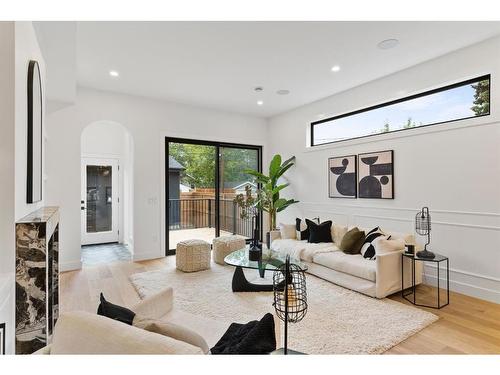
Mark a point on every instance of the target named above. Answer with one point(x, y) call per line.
point(200, 213)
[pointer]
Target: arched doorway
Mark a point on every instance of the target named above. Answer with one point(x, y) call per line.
point(106, 193)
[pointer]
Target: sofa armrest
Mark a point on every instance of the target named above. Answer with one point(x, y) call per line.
point(274, 235)
point(157, 305)
point(388, 273)
point(388, 278)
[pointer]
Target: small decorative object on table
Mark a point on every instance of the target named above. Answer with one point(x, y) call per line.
point(437, 259)
point(290, 296)
point(410, 249)
point(423, 227)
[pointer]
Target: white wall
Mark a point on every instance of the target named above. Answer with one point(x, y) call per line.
point(109, 140)
point(26, 49)
point(18, 45)
point(148, 122)
point(452, 168)
point(58, 45)
point(7, 176)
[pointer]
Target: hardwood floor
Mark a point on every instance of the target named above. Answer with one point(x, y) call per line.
point(467, 325)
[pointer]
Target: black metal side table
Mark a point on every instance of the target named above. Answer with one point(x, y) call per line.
point(437, 259)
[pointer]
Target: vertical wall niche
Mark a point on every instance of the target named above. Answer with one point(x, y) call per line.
point(37, 279)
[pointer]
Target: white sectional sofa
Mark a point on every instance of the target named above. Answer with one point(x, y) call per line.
point(378, 278)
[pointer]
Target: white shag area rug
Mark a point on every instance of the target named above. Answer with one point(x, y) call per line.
point(338, 321)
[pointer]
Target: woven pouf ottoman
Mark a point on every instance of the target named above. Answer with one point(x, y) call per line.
point(192, 255)
point(225, 245)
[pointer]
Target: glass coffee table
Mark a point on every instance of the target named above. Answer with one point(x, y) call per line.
point(271, 260)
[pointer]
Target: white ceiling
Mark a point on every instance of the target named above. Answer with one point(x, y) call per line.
point(218, 64)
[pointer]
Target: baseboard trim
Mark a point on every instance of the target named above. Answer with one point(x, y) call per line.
point(146, 256)
point(465, 288)
point(70, 266)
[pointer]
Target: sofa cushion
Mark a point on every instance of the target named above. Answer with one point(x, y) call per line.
point(302, 249)
point(175, 331)
point(384, 245)
point(368, 249)
point(311, 249)
point(338, 232)
point(255, 337)
point(116, 312)
point(354, 265)
point(352, 241)
point(302, 229)
point(319, 232)
point(287, 231)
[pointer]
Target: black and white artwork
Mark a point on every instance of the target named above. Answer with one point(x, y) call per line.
point(376, 175)
point(2, 338)
point(342, 177)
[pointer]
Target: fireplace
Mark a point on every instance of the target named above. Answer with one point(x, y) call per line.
point(37, 279)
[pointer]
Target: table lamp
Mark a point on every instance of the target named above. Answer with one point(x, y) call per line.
point(423, 227)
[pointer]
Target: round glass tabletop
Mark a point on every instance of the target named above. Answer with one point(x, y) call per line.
point(270, 260)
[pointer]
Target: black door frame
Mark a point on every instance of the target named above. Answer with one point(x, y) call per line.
point(218, 146)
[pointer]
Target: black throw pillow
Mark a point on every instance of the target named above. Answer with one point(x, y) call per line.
point(255, 337)
point(319, 232)
point(115, 312)
point(302, 229)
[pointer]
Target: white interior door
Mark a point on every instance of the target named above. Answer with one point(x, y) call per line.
point(99, 200)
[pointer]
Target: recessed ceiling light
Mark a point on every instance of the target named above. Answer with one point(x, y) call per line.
point(260, 102)
point(283, 92)
point(388, 44)
point(114, 73)
point(335, 68)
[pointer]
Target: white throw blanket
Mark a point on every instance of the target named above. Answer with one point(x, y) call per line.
point(302, 250)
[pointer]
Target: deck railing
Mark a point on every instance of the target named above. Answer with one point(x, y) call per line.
point(200, 213)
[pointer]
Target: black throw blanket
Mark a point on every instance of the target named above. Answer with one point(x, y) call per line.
point(255, 337)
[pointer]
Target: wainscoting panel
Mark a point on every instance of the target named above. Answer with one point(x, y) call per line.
point(470, 239)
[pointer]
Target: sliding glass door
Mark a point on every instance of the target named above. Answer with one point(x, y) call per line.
point(202, 180)
point(233, 161)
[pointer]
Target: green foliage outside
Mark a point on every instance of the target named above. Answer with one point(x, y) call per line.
point(199, 161)
point(481, 98)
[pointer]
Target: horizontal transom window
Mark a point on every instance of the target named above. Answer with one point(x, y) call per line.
point(459, 101)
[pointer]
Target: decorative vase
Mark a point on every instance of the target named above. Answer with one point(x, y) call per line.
point(254, 253)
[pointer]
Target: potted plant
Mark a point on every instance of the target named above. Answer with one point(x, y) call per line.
point(268, 194)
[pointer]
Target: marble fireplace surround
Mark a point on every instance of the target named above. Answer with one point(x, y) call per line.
point(37, 278)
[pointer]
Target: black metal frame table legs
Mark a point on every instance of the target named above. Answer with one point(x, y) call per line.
point(241, 284)
point(413, 288)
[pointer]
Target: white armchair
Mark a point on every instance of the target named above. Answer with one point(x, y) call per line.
point(86, 333)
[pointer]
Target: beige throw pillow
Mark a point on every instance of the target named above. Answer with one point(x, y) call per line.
point(383, 245)
point(338, 232)
point(171, 330)
point(287, 231)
